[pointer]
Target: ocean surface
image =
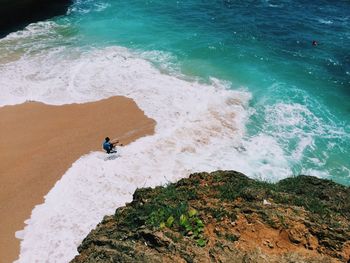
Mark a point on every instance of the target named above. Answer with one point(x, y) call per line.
point(232, 85)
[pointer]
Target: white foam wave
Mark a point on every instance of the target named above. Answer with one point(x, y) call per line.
point(326, 22)
point(35, 29)
point(273, 5)
point(87, 6)
point(35, 38)
point(301, 132)
point(199, 127)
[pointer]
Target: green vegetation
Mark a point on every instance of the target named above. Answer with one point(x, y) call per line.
point(220, 213)
point(167, 209)
point(187, 223)
point(297, 191)
point(168, 201)
point(191, 225)
point(165, 215)
point(231, 237)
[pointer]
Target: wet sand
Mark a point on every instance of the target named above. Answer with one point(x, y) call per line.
point(39, 142)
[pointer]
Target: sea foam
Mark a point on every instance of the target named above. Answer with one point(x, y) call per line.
point(200, 127)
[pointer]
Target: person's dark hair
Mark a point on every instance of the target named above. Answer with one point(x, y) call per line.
point(107, 139)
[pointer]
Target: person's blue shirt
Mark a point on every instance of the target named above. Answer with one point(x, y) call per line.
point(106, 146)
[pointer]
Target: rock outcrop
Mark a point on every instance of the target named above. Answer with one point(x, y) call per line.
point(226, 217)
point(16, 14)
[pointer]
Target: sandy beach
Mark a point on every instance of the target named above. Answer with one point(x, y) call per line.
point(40, 142)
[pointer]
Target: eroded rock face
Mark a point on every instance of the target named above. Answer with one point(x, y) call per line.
point(222, 217)
point(16, 14)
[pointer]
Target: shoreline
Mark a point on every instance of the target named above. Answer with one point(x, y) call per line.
point(40, 142)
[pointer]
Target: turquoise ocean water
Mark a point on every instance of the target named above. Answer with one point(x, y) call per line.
point(231, 84)
point(300, 93)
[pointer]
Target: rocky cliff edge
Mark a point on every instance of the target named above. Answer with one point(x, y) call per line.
point(226, 217)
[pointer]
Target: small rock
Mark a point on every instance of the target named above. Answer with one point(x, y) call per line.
point(268, 243)
point(265, 202)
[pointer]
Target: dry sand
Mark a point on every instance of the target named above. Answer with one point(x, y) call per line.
point(38, 143)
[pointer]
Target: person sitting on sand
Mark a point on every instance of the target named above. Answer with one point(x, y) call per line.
point(108, 145)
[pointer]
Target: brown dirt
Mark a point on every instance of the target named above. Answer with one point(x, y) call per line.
point(255, 234)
